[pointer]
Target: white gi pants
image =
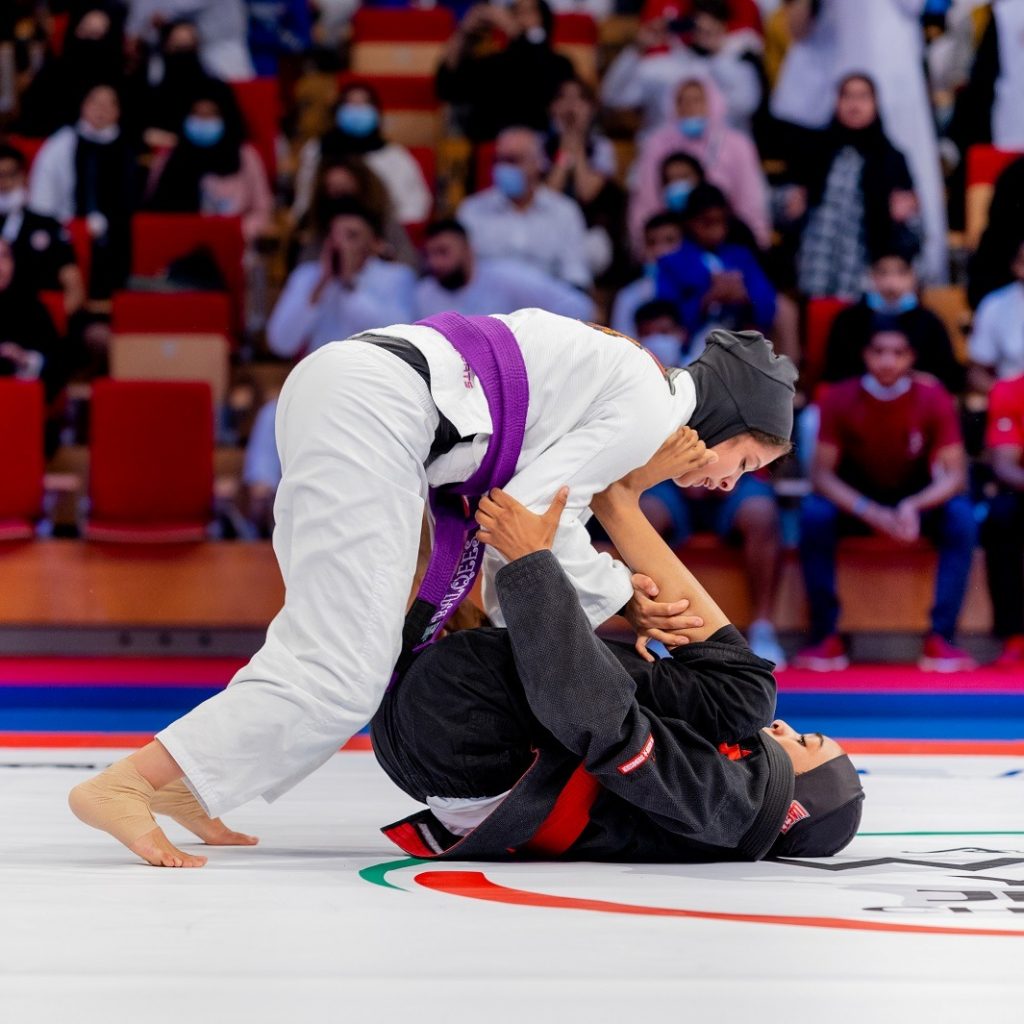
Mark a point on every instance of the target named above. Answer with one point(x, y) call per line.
point(354, 430)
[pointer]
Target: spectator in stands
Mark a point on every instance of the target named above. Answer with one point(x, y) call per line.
point(261, 471)
point(996, 344)
point(855, 190)
point(889, 460)
point(520, 216)
point(89, 170)
point(645, 72)
point(357, 132)
point(278, 28)
point(456, 280)
point(697, 126)
point(350, 178)
point(213, 170)
point(40, 244)
point(183, 81)
point(680, 175)
point(582, 166)
point(223, 31)
point(990, 267)
point(658, 327)
point(514, 86)
point(892, 301)
point(29, 347)
point(347, 291)
point(714, 282)
point(93, 53)
point(988, 108)
point(881, 40)
point(1003, 531)
point(663, 233)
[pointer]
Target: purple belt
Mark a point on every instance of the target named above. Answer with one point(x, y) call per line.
point(492, 353)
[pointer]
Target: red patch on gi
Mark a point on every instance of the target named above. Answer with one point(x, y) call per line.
point(733, 751)
point(797, 812)
point(634, 762)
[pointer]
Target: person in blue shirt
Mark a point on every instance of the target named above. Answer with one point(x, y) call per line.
point(714, 282)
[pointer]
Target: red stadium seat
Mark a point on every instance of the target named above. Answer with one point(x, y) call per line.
point(54, 303)
point(745, 14)
point(151, 467)
point(259, 99)
point(171, 313)
point(575, 36)
point(26, 145)
point(21, 457)
point(818, 321)
point(399, 41)
point(483, 166)
point(160, 238)
point(984, 165)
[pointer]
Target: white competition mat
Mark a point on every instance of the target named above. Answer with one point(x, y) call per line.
point(920, 919)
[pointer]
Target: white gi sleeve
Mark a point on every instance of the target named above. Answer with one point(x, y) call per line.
point(600, 451)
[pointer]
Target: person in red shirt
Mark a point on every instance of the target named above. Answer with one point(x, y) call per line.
point(890, 460)
point(1003, 535)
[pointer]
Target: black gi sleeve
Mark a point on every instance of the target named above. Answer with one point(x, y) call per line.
point(587, 700)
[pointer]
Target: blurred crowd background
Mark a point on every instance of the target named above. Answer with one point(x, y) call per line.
point(206, 190)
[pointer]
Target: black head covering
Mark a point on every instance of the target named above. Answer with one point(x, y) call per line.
point(825, 812)
point(741, 385)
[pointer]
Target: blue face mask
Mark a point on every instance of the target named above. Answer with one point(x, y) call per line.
point(359, 119)
point(904, 304)
point(666, 348)
point(651, 270)
point(676, 195)
point(510, 179)
point(204, 131)
point(693, 127)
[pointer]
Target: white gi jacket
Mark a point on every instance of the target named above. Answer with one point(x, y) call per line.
point(599, 407)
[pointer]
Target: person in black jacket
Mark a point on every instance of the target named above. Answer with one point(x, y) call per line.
point(29, 347)
point(856, 191)
point(892, 303)
point(543, 741)
point(514, 86)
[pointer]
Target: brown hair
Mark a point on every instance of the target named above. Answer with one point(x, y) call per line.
point(770, 440)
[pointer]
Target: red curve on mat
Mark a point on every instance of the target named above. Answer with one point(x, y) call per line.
point(475, 885)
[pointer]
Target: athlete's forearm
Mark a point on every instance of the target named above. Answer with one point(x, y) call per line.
point(644, 551)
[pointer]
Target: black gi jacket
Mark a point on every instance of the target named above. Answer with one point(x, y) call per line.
point(607, 757)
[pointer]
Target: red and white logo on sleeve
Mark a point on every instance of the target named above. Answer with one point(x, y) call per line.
point(797, 812)
point(634, 762)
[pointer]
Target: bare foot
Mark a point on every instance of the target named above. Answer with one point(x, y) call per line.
point(158, 850)
point(178, 803)
point(117, 801)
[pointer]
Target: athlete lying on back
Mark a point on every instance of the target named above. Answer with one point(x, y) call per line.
point(541, 740)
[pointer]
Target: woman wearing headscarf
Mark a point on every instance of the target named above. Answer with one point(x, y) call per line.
point(93, 53)
point(213, 170)
point(856, 191)
point(183, 81)
point(357, 132)
point(884, 40)
point(697, 125)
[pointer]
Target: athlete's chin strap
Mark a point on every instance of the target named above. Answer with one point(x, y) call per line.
point(491, 351)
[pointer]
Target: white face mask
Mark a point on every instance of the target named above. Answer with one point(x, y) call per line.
point(101, 136)
point(13, 200)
